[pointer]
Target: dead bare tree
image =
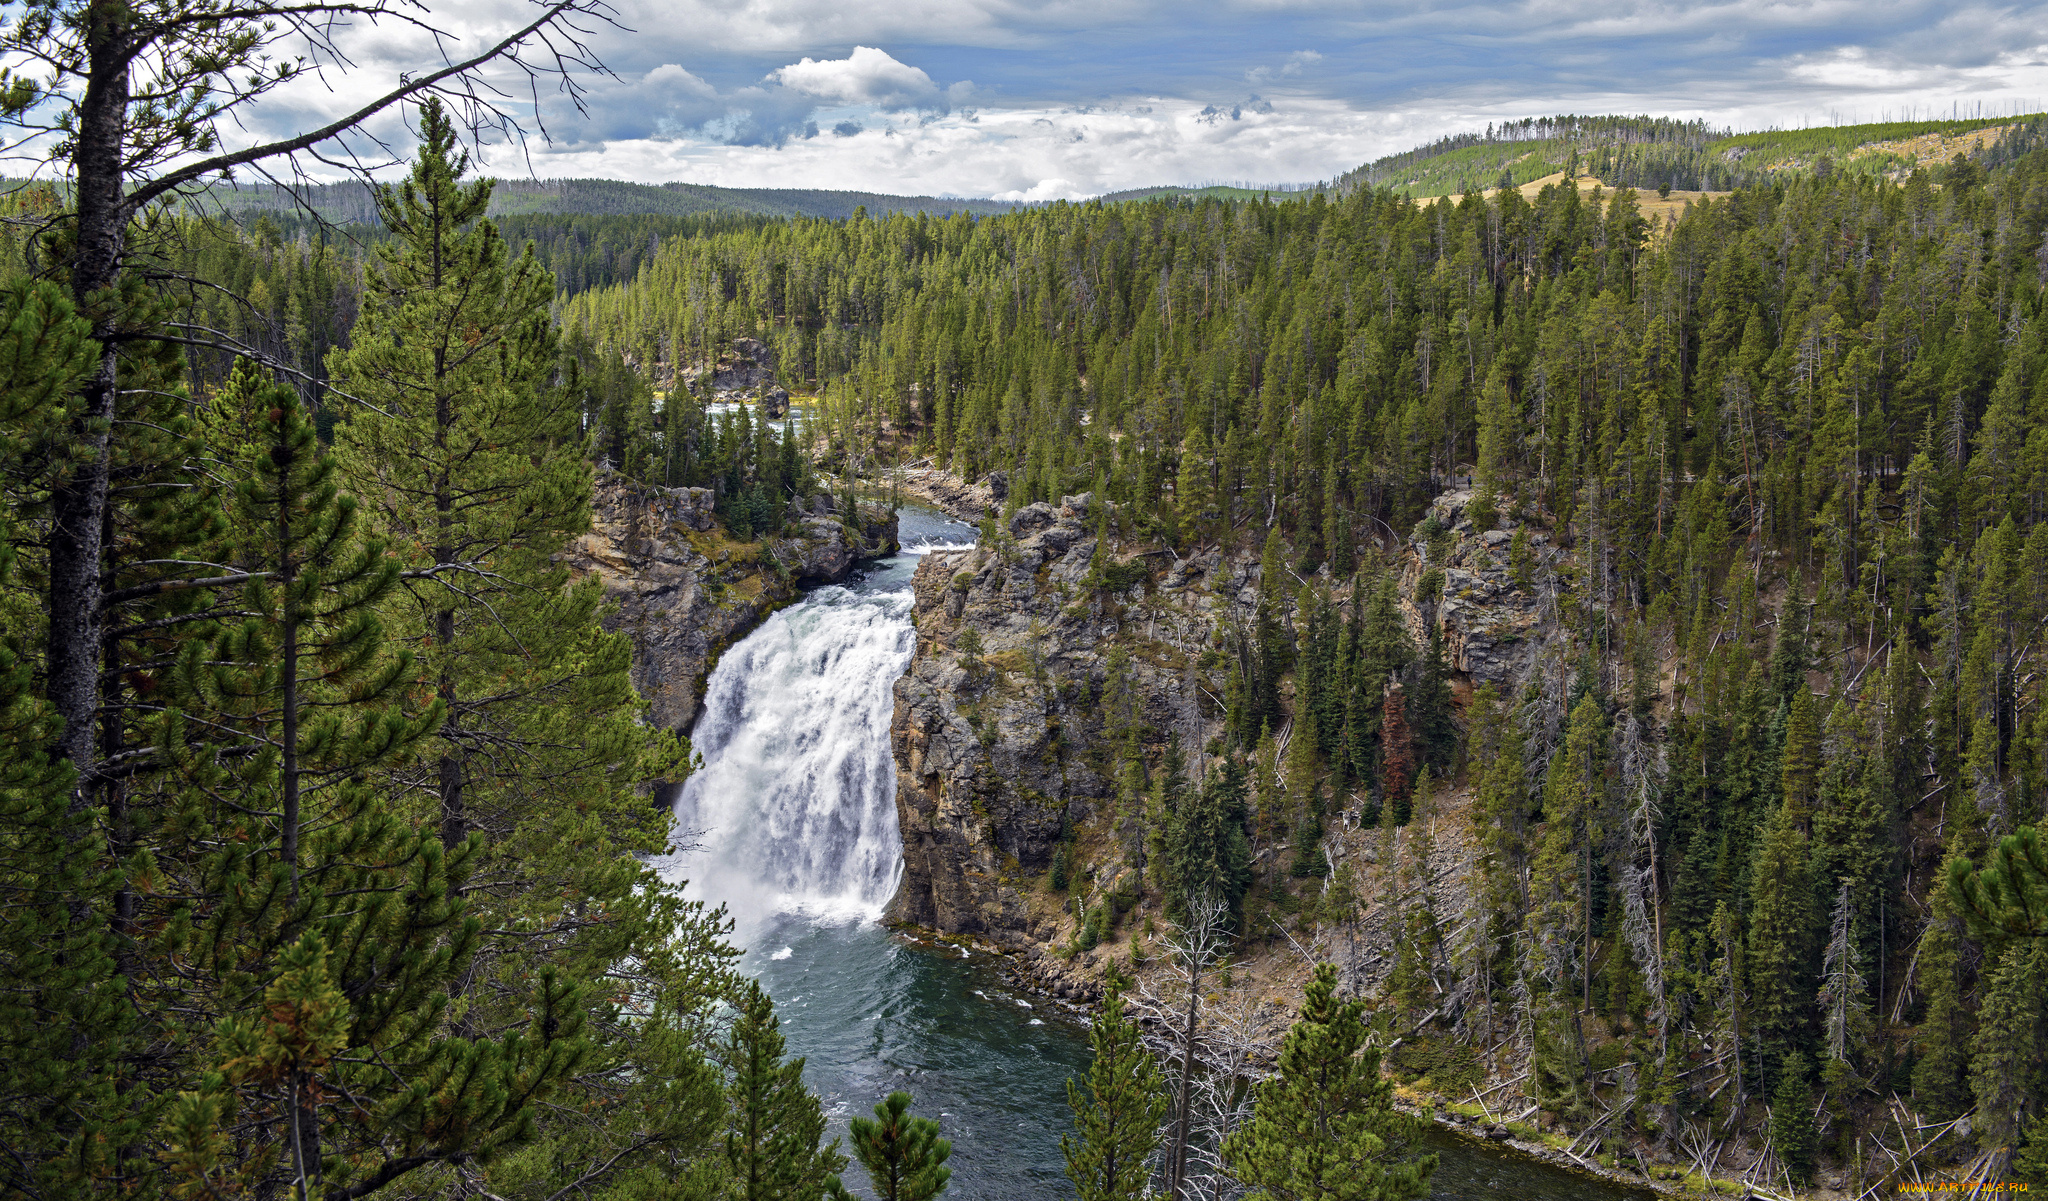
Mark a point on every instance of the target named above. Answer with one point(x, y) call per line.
point(1229, 1052)
point(1195, 945)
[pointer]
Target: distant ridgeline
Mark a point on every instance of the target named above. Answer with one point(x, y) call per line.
point(1652, 152)
point(590, 232)
point(349, 203)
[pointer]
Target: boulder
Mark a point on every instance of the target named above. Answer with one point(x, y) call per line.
point(1030, 518)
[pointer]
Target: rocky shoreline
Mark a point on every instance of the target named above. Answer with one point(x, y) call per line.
point(950, 494)
point(1080, 995)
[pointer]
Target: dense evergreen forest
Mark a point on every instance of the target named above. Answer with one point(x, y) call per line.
point(325, 818)
point(1758, 837)
point(345, 888)
point(354, 896)
point(1662, 153)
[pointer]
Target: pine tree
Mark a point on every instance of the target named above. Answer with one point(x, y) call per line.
point(1498, 426)
point(305, 878)
point(1271, 655)
point(1200, 846)
point(776, 1124)
point(1324, 1128)
point(903, 1154)
point(2031, 1164)
point(1561, 876)
point(1780, 929)
point(1430, 708)
point(1939, 1076)
point(1305, 798)
point(1801, 758)
point(471, 459)
point(2009, 1060)
point(2008, 896)
point(1792, 1133)
point(1117, 1120)
point(64, 1014)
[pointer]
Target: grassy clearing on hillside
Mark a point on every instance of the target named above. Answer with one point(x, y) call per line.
point(1689, 162)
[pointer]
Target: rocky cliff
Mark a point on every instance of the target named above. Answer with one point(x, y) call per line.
point(1493, 618)
point(685, 591)
point(999, 724)
point(1002, 727)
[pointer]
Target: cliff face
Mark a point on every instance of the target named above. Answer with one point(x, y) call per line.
point(1001, 728)
point(684, 591)
point(999, 722)
point(1493, 623)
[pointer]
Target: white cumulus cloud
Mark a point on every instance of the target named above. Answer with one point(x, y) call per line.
point(867, 76)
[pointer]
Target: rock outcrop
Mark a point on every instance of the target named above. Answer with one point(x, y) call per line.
point(1493, 627)
point(999, 722)
point(944, 490)
point(1001, 730)
point(684, 591)
point(746, 373)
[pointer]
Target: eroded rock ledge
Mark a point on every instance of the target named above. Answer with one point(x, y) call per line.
point(998, 729)
point(684, 591)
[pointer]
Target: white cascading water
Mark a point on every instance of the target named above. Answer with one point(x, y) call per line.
point(794, 810)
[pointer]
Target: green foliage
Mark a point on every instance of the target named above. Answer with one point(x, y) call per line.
point(1324, 1128)
point(1792, 1129)
point(1118, 1116)
point(1198, 837)
point(1653, 152)
point(904, 1156)
point(773, 1134)
point(1093, 926)
point(2009, 1064)
point(2008, 896)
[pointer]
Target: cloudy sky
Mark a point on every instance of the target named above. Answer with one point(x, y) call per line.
point(1043, 99)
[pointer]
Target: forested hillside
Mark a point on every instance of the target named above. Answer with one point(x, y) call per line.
point(1758, 835)
point(352, 202)
point(1687, 156)
point(336, 882)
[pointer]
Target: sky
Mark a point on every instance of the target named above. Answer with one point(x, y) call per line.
point(1063, 99)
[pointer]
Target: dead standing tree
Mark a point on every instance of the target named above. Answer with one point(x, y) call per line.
point(1196, 945)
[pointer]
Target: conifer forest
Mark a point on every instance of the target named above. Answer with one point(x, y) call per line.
point(328, 819)
point(1758, 835)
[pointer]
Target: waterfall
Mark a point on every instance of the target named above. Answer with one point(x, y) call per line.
point(794, 809)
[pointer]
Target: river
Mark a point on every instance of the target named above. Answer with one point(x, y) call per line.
point(793, 820)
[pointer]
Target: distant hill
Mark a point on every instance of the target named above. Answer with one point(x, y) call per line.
point(349, 203)
point(1210, 192)
point(1650, 152)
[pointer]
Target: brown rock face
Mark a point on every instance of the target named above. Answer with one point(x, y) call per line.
point(684, 592)
point(995, 746)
